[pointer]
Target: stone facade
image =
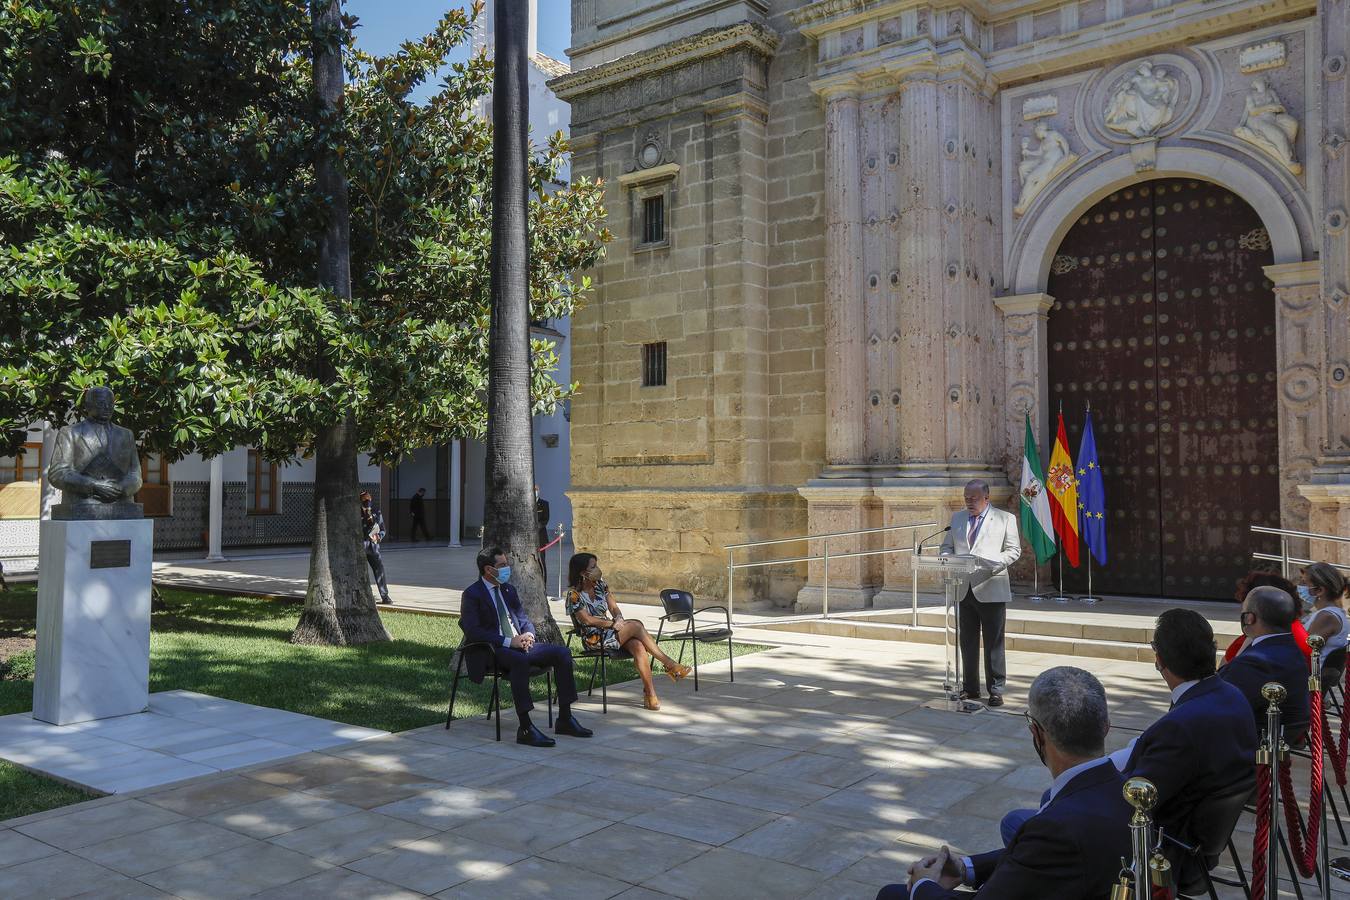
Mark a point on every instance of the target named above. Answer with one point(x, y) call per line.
point(864, 199)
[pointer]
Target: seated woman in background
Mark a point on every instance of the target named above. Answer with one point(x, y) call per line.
point(1255, 579)
point(603, 625)
point(1323, 589)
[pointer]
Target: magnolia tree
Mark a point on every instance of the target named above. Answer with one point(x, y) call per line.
point(169, 187)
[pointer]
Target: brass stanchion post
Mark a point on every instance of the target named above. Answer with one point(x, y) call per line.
point(1270, 754)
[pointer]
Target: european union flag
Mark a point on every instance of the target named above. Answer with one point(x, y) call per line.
point(1091, 495)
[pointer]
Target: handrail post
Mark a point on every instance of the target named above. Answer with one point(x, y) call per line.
point(825, 594)
point(1284, 555)
point(731, 582)
point(914, 578)
point(561, 532)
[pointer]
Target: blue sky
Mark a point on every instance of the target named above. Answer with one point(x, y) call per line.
point(384, 24)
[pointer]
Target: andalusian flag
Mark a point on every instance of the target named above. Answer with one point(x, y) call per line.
point(1063, 489)
point(1037, 525)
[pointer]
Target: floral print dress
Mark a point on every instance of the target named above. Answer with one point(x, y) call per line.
point(598, 605)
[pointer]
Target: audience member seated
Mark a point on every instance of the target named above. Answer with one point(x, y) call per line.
point(1323, 589)
point(1259, 578)
point(490, 612)
point(603, 625)
point(1271, 655)
point(1073, 845)
point(1205, 745)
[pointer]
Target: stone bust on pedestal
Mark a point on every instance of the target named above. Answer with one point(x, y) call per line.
point(95, 464)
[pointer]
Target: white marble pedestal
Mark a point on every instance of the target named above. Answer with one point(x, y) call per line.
point(93, 652)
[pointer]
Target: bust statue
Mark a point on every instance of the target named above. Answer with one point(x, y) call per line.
point(95, 464)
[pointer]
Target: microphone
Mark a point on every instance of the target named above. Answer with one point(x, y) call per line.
point(919, 549)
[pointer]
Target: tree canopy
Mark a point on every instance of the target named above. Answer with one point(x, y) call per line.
point(159, 224)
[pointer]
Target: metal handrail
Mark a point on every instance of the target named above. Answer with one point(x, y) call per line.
point(1284, 559)
point(732, 565)
point(823, 535)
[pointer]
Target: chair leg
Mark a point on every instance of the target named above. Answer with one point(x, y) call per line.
point(548, 686)
point(604, 684)
point(454, 686)
point(1331, 801)
point(695, 643)
point(731, 660)
point(1289, 864)
point(496, 703)
point(595, 667)
point(1209, 885)
point(1237, 864)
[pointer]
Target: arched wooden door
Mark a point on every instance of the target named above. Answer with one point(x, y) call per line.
point(1164, 322)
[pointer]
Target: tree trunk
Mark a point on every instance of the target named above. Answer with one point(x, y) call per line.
point(339, 605)
point(508, 516)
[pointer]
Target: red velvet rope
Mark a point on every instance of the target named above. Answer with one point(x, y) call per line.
point(1337, 749)
point(1305, 853)
point(549, 544)
point(1261, 841)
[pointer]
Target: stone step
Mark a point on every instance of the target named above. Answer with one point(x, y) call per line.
point(1115, 644)
point(1117, 629)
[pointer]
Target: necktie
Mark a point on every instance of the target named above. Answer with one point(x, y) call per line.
point(503, 615)
point(971, 527)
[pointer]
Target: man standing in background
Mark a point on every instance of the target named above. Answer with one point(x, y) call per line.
point(417, 510)
point(541, 514)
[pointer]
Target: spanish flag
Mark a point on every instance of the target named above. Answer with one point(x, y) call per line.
point(1063, 488)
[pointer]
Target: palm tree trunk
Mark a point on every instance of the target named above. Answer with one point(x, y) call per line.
point(508, 517)
point(339, 605)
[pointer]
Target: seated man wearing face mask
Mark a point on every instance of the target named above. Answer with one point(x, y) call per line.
point(490, 612)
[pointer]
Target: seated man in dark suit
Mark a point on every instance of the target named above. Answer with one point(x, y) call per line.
point(1073, 845)
point(490, 612)
point(1271, 655)
point(1205, 746)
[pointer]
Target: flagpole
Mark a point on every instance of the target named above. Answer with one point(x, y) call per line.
point(1059, 594)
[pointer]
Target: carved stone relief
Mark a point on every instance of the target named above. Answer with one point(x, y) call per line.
point(1267, 125)
point(1143, 101)
point(1259, 57)
point(1040, 165)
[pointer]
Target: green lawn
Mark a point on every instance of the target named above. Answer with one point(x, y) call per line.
point(237, 648)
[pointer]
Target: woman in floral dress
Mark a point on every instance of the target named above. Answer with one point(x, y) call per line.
point(602, 624)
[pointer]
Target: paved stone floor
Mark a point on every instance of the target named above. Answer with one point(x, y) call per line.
point(183, 735)
point(818, 773)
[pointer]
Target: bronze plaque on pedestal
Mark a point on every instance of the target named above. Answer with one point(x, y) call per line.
point(109, 554)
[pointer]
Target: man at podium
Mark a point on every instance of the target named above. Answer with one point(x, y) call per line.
point(990, 535)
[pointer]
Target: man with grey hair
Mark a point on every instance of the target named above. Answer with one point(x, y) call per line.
point(1073, 845)
point(1271, 654)
point(990, 535)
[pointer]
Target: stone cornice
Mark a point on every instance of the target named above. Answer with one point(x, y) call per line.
point(646, 176)
point(921, 61)
point(713, 42)
point(1294, 273)
point(1146, 32)
point(824, 16)
point(1025, 304)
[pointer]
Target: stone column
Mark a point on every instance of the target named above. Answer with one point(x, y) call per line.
point(215, 510)
point(456, 490)
point(853, 580)
point(1025, 370)
point(845, 375)
point(1300, 352)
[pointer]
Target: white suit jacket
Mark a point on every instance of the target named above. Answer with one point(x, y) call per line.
point(997, 543)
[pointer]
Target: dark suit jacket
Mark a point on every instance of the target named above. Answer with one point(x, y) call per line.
point(1277, 658)
point(1071, 850)
point(416, 506)
point(79, 445)
point(1205, 745)
point(478, 620)
point(541, 520)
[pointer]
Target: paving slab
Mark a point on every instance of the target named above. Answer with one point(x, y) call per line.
point(184, 735)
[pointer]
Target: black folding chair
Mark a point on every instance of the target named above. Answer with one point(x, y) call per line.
point(600, 658)
point(679, 608)
point(1212, 823)
point(495, 673)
